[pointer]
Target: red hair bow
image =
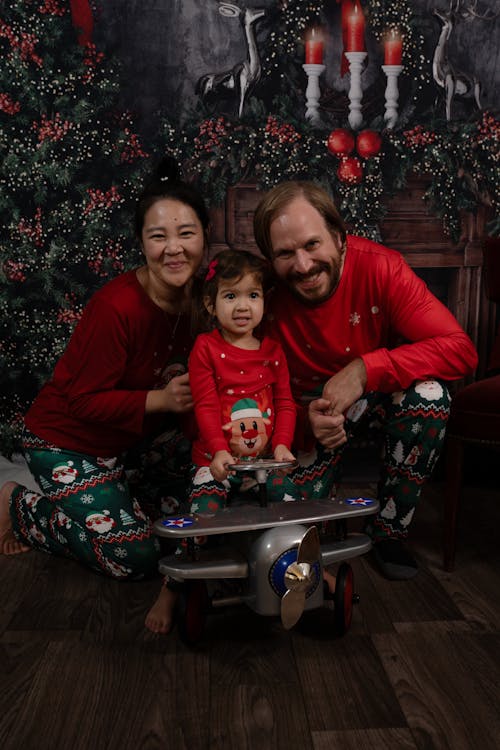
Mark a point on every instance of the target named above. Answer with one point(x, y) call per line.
point(211, 269)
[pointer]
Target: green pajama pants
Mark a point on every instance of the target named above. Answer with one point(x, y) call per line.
point(413, 425)
point(206, 494)
point(90, 509)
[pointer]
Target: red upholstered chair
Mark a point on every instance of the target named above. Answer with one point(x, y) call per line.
point(475, 415)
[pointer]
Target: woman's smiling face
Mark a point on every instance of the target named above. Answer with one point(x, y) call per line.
point(173, 242)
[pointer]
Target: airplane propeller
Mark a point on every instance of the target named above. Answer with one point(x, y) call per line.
point(299, 577)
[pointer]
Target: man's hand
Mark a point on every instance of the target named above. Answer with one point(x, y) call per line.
point(346, 386)
point(328, 428)
point(326, 414)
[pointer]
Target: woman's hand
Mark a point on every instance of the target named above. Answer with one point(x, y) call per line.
point(218, 465)
point(175, 397)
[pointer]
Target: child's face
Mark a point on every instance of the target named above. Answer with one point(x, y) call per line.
point(239, 305)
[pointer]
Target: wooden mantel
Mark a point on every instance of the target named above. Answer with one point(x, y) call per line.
point(409, 227)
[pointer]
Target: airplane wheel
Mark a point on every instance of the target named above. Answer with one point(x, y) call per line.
point(343, 598)
point(193, 605)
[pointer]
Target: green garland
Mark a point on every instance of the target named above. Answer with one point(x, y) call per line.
point(274, 143)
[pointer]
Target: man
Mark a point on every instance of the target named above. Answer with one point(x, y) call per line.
point(362, 333)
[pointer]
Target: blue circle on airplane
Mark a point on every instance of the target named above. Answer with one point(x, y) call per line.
point(279, 568)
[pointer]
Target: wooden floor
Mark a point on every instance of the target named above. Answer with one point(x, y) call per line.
point(420, 667)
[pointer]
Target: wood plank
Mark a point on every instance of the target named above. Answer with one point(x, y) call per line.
point(249, 649)
point(17, 574)
point(364, 739)
point(447, 685)
point(119, 611)
point(419, 599)
point(20, 663)
point(107, 696)
point(60, 597)
point(344, 684)
point(269, 716)
point(256, 698)
point(475, 590)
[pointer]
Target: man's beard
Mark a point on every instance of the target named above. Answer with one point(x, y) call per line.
point(333, 270)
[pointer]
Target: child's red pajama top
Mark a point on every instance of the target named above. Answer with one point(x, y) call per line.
point(226, 380)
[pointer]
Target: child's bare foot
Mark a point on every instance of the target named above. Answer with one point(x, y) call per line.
point(160, 617)
point(330, 581)
point(9, 545)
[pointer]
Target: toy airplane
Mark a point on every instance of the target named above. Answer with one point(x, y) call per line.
point(273, 550)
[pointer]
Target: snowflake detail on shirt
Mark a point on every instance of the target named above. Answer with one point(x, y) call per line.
point(354, 318)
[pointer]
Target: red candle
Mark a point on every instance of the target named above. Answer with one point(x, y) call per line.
point(393, 49)
point(355, 37)
point(314, 47)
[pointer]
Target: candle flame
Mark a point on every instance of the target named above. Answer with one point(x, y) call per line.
point(393, 34)
point(314, 34)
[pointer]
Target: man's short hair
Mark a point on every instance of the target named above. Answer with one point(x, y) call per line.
point(280, 196)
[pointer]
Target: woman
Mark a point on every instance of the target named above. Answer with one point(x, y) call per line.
point(121, 382)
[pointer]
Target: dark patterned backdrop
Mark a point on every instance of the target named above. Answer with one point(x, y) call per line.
point(166, 45)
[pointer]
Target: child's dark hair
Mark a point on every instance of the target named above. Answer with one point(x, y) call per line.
point(232, 265)
point(166, 182)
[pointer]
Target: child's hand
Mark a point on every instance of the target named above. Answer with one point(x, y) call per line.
point(218, 468)
point(281, 453)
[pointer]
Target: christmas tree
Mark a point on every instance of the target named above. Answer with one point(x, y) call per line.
point(70, 168)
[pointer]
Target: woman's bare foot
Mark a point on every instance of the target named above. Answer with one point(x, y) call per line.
point(330, 581)
point(160, 617)
point(9, 545)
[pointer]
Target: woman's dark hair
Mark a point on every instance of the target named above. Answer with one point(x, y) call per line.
point(167, 182)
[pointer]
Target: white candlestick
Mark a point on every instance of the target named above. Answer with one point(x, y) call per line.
point(391, 94)
point(313, 72)
point(355, 92)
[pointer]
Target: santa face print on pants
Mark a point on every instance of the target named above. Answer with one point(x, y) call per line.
point(65, 473)
point(100, 522)
point(430, 390)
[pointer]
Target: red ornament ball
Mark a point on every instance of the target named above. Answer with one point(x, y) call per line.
point(368, 143)
point(340, 142)
point(350, 170)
